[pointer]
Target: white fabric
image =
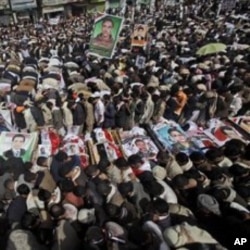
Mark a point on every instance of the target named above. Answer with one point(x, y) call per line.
point(168, 195)
point(99, 112)
point(153, 228)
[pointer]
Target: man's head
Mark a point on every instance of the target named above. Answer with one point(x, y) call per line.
point(18, 141)
point(107, 26)
point(141, 145)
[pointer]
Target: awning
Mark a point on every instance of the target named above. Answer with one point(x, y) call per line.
point(47, 10)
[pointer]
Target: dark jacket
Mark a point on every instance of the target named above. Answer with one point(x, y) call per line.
point(38, 116)
point(109, 116)
point(9, 153)
point(122, 117)
point(79, 115)
point(17, 209)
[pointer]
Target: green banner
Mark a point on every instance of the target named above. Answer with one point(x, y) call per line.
point(105, 35)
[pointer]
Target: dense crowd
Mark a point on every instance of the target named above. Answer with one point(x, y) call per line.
point(172, 201)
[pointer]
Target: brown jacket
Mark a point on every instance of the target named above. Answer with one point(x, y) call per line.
point(90, 119)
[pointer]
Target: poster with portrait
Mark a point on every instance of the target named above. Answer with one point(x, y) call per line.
point(75, 145)
point(105, 35)
point(139, 35)
point(174, 139)
point(140, 144)
point(44, 150)
point(243, 122)
point(112, 151)
point(203, 141)
point(18, 145)
point(140, 62)
point(221, 133)
point(72, 149)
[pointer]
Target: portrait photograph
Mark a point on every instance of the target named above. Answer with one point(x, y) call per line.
point(142, 145)
point(112, 151)
point(105, 35)
point(45, 138)
point(175, 140)
point(72, 149)
point(139, 36)
point(73, 130)
point(44, 150)
point(18, 145)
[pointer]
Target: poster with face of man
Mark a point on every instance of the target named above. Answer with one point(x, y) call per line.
point(140, 144)
point(139, 36)
point(175, 140)
point(222, 133)
point(105, 35)
point(18, 145)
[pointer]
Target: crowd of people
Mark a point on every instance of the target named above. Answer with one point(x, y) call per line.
point(172, 201)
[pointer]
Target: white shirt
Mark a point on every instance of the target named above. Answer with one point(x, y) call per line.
point(168, 195)
point(99, 112)
point(236, 104)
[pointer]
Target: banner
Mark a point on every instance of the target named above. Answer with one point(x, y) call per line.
point(4, 4)
point(18, 145)
point(23, 4)
point(105, 35)
point(56, 2)
point(140, 62)
point(139, 36)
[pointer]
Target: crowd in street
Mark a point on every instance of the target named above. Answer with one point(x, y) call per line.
point(172, 201)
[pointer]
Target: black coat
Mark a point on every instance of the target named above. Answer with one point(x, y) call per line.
point(79, 115)
point(122, 117)
point(9, 153)
point(38, 116)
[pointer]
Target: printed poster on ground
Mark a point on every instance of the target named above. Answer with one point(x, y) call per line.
point(175, 140)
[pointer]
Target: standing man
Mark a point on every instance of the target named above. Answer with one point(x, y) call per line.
point(99, 109)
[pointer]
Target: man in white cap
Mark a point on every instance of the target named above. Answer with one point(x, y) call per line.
point(99, 109)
